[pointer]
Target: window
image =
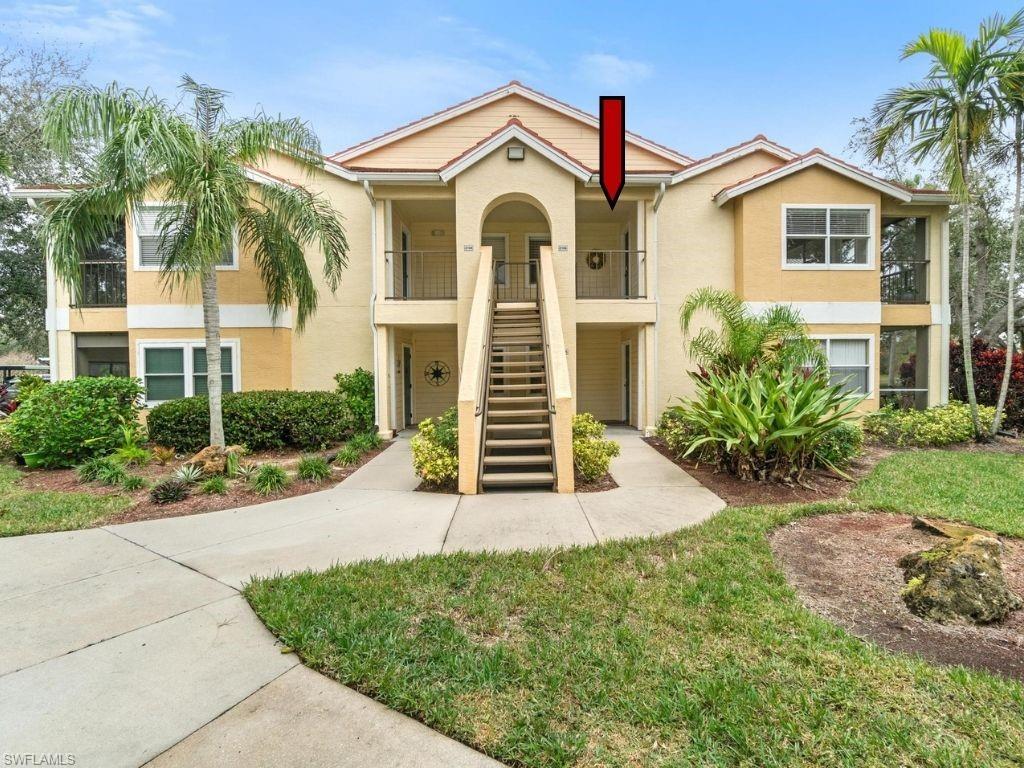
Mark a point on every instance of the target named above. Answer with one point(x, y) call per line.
point(148, 239)
point(903, 367)
point(849, 362)
point(178, 369)
point(823, 237)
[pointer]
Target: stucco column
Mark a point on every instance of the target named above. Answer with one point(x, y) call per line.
point(384, 385)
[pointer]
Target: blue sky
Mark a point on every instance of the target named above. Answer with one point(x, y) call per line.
point(697, 77)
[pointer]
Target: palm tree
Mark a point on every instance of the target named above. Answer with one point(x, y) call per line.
point(744, 340)
point(198, 160)
point(950, 116)
point(1011, 92)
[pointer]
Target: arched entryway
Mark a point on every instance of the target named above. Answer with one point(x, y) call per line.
point(515, 228)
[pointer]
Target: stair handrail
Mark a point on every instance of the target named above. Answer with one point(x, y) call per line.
point(560, 407)
point(472, 381)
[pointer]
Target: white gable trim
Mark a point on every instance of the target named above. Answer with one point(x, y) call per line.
point(844, 170)
point(514, 132)
point(488, 98)
point(757, 145)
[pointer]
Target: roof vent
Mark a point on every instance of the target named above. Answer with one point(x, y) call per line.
point(515, 152)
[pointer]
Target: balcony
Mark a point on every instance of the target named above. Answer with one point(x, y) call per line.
point(421, 275)
point(904, 260)
point(103, 284)
point(610, 274)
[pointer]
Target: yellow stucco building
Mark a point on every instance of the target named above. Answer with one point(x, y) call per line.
point(484, 254)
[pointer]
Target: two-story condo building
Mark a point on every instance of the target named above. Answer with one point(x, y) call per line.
point(487, 271)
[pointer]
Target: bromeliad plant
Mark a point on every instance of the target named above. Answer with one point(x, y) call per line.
point(763, 423)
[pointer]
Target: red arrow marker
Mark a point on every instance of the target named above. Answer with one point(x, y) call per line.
point(613, 147)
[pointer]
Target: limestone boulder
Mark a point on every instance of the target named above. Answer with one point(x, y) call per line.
point(959, 580)
point(213, 459)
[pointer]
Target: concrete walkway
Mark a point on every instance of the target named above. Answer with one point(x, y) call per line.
point(130, 643)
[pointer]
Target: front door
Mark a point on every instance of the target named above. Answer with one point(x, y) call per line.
point(407, 384)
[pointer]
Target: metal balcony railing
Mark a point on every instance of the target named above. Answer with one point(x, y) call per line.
point(905, 281)
point(515, 280)
point(104, 284)
point(610, 274)
point(422, 274)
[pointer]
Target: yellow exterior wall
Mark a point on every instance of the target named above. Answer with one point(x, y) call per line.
point(436, 146)
point(428, 346)
point(265, 353)
point(599, 373)
point(761, 273)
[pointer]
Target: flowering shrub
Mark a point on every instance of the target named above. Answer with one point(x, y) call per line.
point(435, 450)
point(592, 453)
point(942, 425)
point(988, 377)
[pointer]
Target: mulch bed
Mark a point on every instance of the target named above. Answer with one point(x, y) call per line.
point(844, 568)
point(238, 495)
point(820, 485)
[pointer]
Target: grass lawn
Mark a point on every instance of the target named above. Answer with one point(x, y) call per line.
point(24, 511)
point(687, 649)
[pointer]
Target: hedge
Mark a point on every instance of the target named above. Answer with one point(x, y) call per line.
point(67, 422)
point(259, 420)
point(989, 362)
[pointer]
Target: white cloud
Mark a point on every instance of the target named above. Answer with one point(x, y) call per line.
point(606, 70)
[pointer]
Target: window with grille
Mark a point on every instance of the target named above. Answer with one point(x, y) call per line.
point(152, 239)
point(849, 362)
point(826, 236)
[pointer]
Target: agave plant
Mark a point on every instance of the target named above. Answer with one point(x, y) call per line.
point(189, 473)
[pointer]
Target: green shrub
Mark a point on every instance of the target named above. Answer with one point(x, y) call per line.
point(89, 471)
point(348, 456)
point(592, 453)
point(67, 422)
point(232, 463)
point(941, 425)
point(214, 485)
point(840, 445)
point(133, 483)
point(268, 479)
point(189, 473)
point(28, 385)
point(169, 491)
point(132, 456)
point(366, 442)
point(112, 474)
point(261, 420)
point(763, 423)
point(7, 450)
point(314, 469)
point(435, 449)
point(357, 390)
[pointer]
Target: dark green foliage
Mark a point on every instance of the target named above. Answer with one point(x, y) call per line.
point(133, 483)
point(70, 421)
point(365, 442)
point(169, 491)
point(89, 470)
point(214, 485)
point(840, 445)
point(348, 456)
point(357, 389)
point(314, 468)
point(269, 479)
point(258, 420)
point(112, 474)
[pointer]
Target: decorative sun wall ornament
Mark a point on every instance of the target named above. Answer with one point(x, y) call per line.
point(437, 373)
point(595, 259)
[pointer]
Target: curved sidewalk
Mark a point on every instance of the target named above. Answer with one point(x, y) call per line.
point(131, 642)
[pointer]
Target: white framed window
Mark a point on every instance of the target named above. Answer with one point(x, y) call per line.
point(851, 360)
point(148, 256)
point(173, 369)
point(828, 237)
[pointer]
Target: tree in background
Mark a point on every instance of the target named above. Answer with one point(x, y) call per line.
point(28, 79)
point(950, 117)
point(199, 161)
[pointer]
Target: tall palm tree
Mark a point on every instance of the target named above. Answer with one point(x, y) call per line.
point(1011, 93)
point(743, 339)
point(198, 160)
point(950, 116)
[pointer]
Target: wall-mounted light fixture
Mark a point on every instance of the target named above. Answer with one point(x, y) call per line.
point(516, 152)
point(437, 233)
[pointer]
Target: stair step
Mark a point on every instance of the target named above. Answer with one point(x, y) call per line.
point(526, 426)
point(517, 478)
point(539, 364)
point(518, 442)
point(517, 317)
point(517, 387)
point(540, 458)
point(513, 399)
point(503, 305)
point(506, 413)
point(520, 375)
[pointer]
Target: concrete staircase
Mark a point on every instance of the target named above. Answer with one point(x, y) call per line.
point(517, 427)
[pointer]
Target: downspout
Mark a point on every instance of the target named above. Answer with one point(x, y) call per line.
point(373, 297)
